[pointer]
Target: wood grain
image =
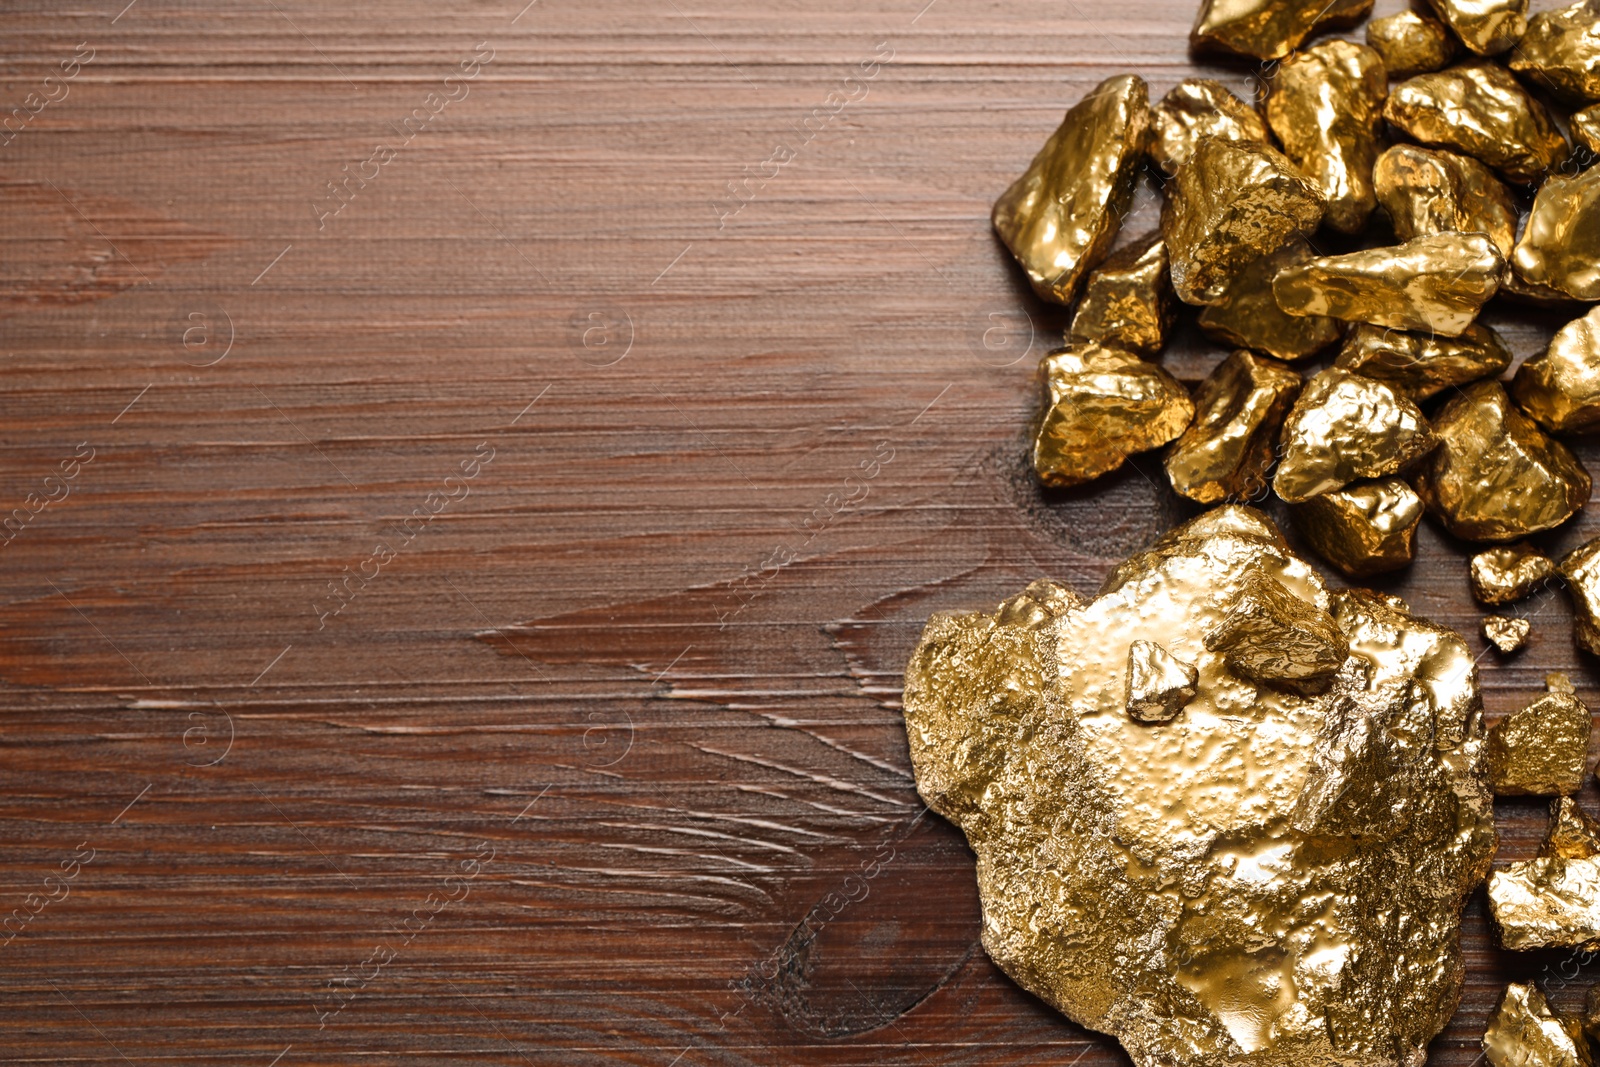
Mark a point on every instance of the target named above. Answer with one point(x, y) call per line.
point(600, 758)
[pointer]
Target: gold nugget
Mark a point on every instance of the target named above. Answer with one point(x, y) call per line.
point(1420, 365)
point(1508, 574)
point(1227, 450)
point(1102, 406)
point(1127, 301)
point(1541, 750)
point(1410, 44)
point(1427, 190)
point(1232, 204)
point(1479, 109)
point(1197, 108)
point(1581, 569)
point(1435, 283)
point(1326, 111)
point(1364, 529)
point(1525, 1032)
point(1496, 476)
point(1270, 29)
point(1159, 683)
point(1344, 427)
point(1586, 129)
point(1560, 387)
point(1060, 217)
point(1560, 242)
point(1506, 634)
point(1248, 315)
point(1560, 53)
point(1572, 835)
point(1488, 27)
point(1274, 638)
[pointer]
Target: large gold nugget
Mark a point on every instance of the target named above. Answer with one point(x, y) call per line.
point(1196, 108)
point(1248, 315)
point(1363, 529)
point(1541, 750)
point(1102, 406)
point(1233, 886)
point(1508, 574)
point(1232, 204)
point(1421, 365)
point(1127, 301)
point(1479, 109)
point(1525, 1032)
point(1496, 476)
point(1326, 111)
point(1581, 569)
point(1560, 246)
point(1344, 427)
point(1426, 191)
point(1270, 29)
point(1560, 53)
point(1488, 27)
point(1060, 217)
point(1560, 387)
point(1227, 450)
point(1410, 44)
point(1435, 283)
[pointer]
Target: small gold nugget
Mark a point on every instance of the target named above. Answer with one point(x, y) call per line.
point(1479, 109)
point(1197, 108)
point(1060, 217)
point(1344, 427)
point(1410, 44)
point(1541, 750)
point(1248, 315)
point(1420, 365)
point(1127, 301)
point(1525, 1032)
point(1560, 53)
point(1227, 450)
point(1508, 574)
point(1560, 246)
point(1572, 835)
point(1581, 569)
point(1159, 683)
point(1103, 405)
point(1496, 476)
point(1560, 387)
point(1586, 129)
point(1363, 529)
point(1270, 29)
point(1435, 283)
point(1274, 638)
point(1326, 111)
point(1232, 204)
point(1507, 635)
point(1428, 190)
point(1487, 27)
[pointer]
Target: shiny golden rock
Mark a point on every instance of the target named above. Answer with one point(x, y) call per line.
point(1427, 190)
point(1344, 427)
point(1573, 835)
point(1420, 365)
point(1127, 301)
point(1541, 750)
point(1581, 569)
point(1326, 110)
point(1496, 476)
point(1410, 44)
point(1270, 29)
point(1232, 204)
point(1507, 635)
point(1060, 217)
point(1525, 1032)
point(1560, 387)
point(1102, 406)
point(1159, 683)
point(1267, 880)
point(1509, 573)
point(1487, 27)
point(1227, 450)
point(1479, 108)
point(1586, 129)
point(1560, 53)
point(1560, 245)
point(1363, 529)
point(1274, 638)
point(1435, 283)
point(1197, 108)
point(1248, 315)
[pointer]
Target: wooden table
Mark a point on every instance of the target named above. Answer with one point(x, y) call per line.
point(479, 474)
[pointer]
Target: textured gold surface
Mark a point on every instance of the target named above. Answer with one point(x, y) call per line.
point(1560, 246)
point(1196, 108)
point(1127, 301)
point(1275, 639)
point(1268, 880)
point(1344, 427)
point(1525, 1032)
point(1581, 569)
point(1410, 44)
point(1228, 448)
point(1586, 129)
point(1103, 405)
point(1420, 365)
point(1363, 529)
point(1248, 315)
point(1560, 387)
point(1560, 53)
point(1541, 750)
point(1428, 190)
point(1488, 27)
point(1573, 835)
point(1060, 217)
point(1506, 634)
point(1159, 683)
point(1508, 573)
point(1496, 476)
point(1479, 109)
point(1270, 29)
point(1435, 283)
point(1233, 203)
point(1326, 110)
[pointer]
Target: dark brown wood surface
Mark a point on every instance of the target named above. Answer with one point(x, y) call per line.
point(467, 627)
